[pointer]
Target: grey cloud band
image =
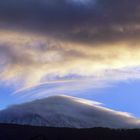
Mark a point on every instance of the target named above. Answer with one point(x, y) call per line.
point(91, 22)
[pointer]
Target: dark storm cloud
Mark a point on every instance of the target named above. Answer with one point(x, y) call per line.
point(94, 21)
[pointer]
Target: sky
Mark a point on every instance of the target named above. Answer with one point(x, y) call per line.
point(83, 48)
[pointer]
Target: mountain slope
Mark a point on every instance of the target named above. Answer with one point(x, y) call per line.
point(65, 111)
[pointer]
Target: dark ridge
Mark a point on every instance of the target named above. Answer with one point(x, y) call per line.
point(24, 132)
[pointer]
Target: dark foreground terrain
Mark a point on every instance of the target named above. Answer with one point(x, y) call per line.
point(17, 132)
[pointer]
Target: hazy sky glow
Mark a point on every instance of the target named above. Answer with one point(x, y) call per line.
point(70, 47)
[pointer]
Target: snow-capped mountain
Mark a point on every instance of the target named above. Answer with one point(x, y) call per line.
point(66, 111)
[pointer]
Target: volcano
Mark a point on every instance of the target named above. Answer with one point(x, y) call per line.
point(66, 111)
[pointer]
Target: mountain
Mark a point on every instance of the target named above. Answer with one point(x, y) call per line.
point(66, 111)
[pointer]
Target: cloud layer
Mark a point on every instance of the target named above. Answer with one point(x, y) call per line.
point(82, 21)
point(48, 41)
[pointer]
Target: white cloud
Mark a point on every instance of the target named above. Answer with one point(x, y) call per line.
point(31, 60)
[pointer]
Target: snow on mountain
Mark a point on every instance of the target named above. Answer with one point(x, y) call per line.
point(66, 111)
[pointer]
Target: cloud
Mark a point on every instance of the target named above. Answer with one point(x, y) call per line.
point(47, 41)
point(91, 22)
point(33, 59)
